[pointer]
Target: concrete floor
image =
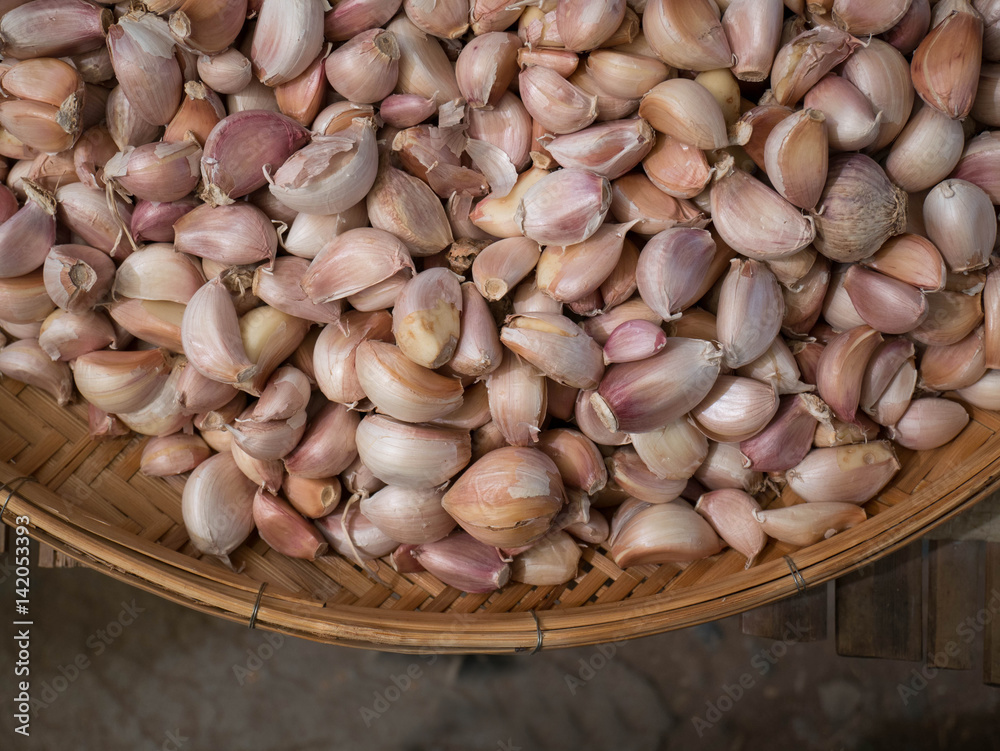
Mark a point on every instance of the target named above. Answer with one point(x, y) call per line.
point(120, 669)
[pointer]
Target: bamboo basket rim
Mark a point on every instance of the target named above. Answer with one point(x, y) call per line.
point(213, 590)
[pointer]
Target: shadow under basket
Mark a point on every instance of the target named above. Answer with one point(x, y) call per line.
point(88, 500)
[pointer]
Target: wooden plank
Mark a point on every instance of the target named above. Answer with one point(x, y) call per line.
point(991, 637)
point(952, 593)
point(879, 608)
point(800, 618)
point(46, 556)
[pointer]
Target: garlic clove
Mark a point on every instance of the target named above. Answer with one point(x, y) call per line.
point(609, 149)
point(557, 104)
point(407, 207)
point(590, 424)
point(173, 455)
point(286, 38)
point(365, 69)
point(726, 467)
point(77, 277)
point(270, 440)
point(687, 111)
point(882, 367)
point(424, 67)
point(351, 17)
point(945, 65)
point(672, 269)
point(841, 369)
point(634, 341)
point(951, 317)
point(227, 72)
point(352, 536)
point(954, 366)
point(327, 447)
point(662, 533)
point(426, 318)
point(750, 292)
point(507, 126)
point(984, 393)
point(564, 207)
point(886, 304)
point(926, 150)
point(25, 237)
point(265, 473)
point(929, 423)
point(160, 171)
point(851, 123)
point(631, 398)
point(630, 473)
point(313, 498)
point(804, 300)
point(556, 346)
point(803, 61)
point(89, 213)
point(402, 389)
point(753, 128)
point(462, 562)
point(687, 35)
point(284, 529)
point(120, 382)
point(287, 392)
point(795, 157)
point(217, 504)
point(577, 458)
point(839, 433)
point(500, 266)
point(518, 399)
point(882, 74)
point(635, 197)
point(486, 66)
point(571, 273)
point(617, 73)
point(912, 259)
point(25, 361)
point(65, 336)
point(677, 168)
point(848, 474)
point(334, 354)
point(410, 516)
point(978, 164)
point(210, 332)
point(508, 498)
point(354, 261)
point(478, 351)
point(234, 234)
point(789, 436)
point(809, 523)
point(890, 407)
point(416, 456)
point(551, 561)
point(754, 33)
point(735, 409)
point(961, 222)
point(730, 513)
point(158, 273)
point(281, 288)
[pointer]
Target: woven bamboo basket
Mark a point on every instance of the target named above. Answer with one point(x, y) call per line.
point(88, 500)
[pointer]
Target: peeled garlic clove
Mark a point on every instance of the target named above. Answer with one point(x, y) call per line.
point(217, 505)
point(882, 367)
point(809, 523)
point(121, 381)
point(851, 123)
point(926, 150)
point(672, 268)
point(882, 74)
point(749, 293)
point(795, 156)
point(518, 399)
point(410, 516)
point(575, 272)
point(731, 512)
point(465, 563)
point(754, 33)
point(945, 66)
point(210, 333)
point(788, 437)
point(687, 111)
point(631, 398)
point(663, 533)
point(753, 219)
point(858, 211)
point(929, 423)
point(852, 474)
point(962, 224)
point(564, 208)
point(287, 37)
point(687, 35)
point(508, 498)
point(239, 147)
point(284, 529)
point(886, 304)
point(173, 455)
point(735, 409)
point(407, 207)
point(577, 458)
point(331, 174)
point(417, 456)
point(313, 499)
point(608, 149)
point(426, 318)
point(806, 59)
point(25, 237)
point(841, 369)
point(25, 361)
point(912, 259)
point(954, 366)
point(556, 346)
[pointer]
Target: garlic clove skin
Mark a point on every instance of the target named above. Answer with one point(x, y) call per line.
point(410, 516)
point(730, 513)
point(553, 560)
point(847, 474)
point(961, 222)
point(929, 424)
point(556, 346)
point(663, 533)
point(809, 523)
point(803, 61)
point(426, 317)
point(416, 456)
point(508, 498)
point(217, 504)
point(284, 529)
point(25, 361)
point(463, 562)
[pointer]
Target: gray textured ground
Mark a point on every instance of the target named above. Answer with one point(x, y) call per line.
point(173, 678)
